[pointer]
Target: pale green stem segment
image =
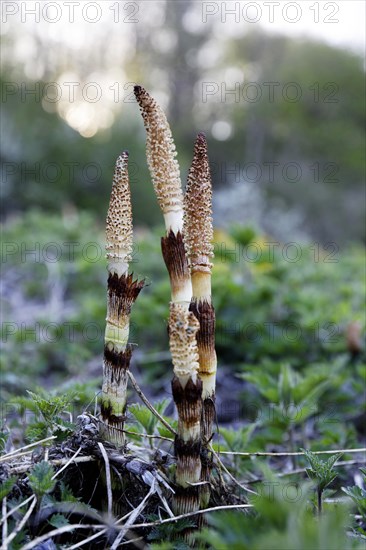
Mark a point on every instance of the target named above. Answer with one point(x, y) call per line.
point(116, 336)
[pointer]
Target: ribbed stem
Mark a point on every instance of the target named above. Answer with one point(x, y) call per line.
point(114, 394)
point(205, 314)
point(188, 441)
point(198, 233)
point(187, 449)
point(187, 394)
point(122, 293)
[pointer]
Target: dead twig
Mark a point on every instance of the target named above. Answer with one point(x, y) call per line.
point(21, 524)
point(5, 516)
point(148, 404)
point(6, 457)
point(87, 540)
point(229, 474)
point(67, 463)
point(59, 531)
point(149, 436)
point(13, 510)
point(135, 514)
point(55, 462)
point(96, 535)
point(303, 470)
point(131, 540)
point(299, 453)
point(108, 477)
point(190, 514)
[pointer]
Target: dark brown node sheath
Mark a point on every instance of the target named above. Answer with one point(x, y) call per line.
point(122, 293)
point(172, 247)
point(116, 367)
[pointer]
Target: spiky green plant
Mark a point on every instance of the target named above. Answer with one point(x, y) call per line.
point(322, 473)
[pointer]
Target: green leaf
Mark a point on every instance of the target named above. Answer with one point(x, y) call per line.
point(321, 471)
point(58, 520)
point(51, 406)
point(36, 431)
point(62, 428)
point(311, 473)
point(332, 460)
point(238, 439)
point(164, 431)
point(40, 479)
point(6, 486)
point(358, 495)
point(142, 415)
point(66, 493)
point(169, 531)
point(146, 418)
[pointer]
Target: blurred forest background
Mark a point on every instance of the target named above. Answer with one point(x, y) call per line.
point(287, 148)
point(287, 158)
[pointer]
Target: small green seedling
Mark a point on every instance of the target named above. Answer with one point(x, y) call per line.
point(321, 472)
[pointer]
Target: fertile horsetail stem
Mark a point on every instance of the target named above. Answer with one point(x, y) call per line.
point(198, 230)
point(164, 170)
point(122, 293)
point(198, 235)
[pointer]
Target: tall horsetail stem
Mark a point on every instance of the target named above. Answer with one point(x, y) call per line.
point(198, 236)
point(122, 293)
